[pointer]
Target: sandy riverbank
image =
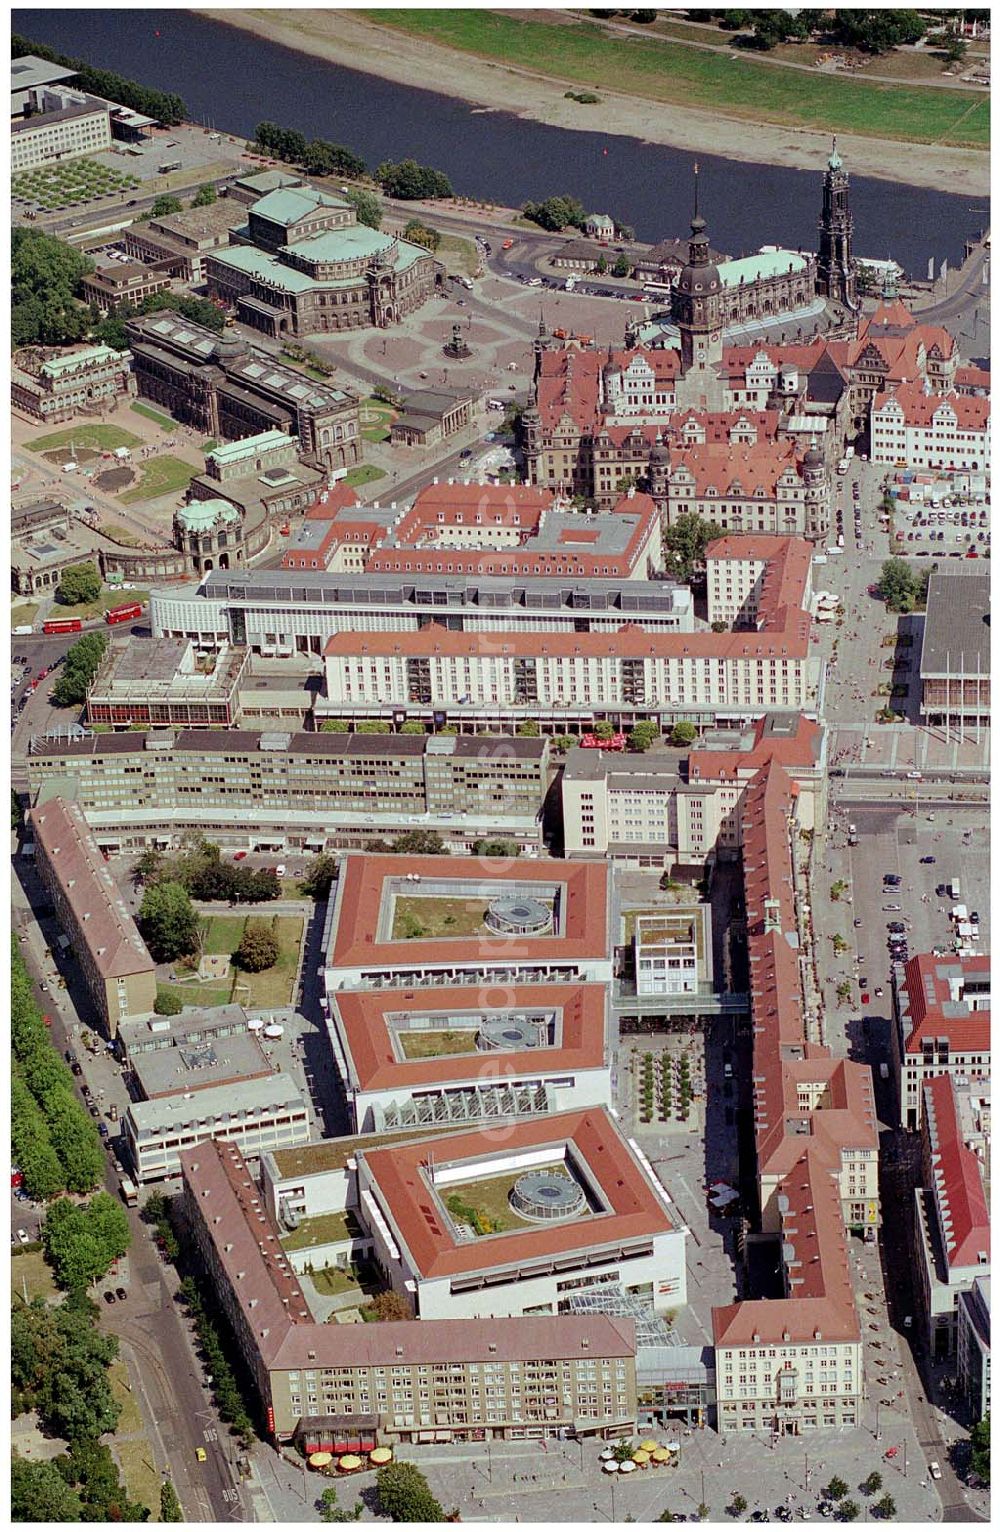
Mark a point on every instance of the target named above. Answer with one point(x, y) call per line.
point(343, 37)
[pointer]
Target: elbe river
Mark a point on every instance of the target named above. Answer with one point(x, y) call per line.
point(233, 80)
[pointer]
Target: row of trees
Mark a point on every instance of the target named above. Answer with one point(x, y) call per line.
point(422, 234)
point(228, 1397)
point(868, 30)
point(79, 669)
point(317, 157)
point(54, 1141)
point(166, 106)
point(197, 866)
point(110, 330)
point(410, 182)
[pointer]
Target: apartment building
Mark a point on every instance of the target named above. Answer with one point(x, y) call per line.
point(440, 1380)
point(749, 579)
point(794, 1364)
point(279, 791)
point(941, 1025)
point(465, 1226)
point(951, 1218)
point(570, 680)
point(913, 427)
point(508, 922)
point(283, 612)
point(680, 805)
point(536, 1048)
point(254, 1113)
point(113, 959)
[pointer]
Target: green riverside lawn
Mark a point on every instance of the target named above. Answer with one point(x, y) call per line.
point(669, 72)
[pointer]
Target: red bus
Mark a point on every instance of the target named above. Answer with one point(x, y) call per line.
point(62, 625)
point(123, 613)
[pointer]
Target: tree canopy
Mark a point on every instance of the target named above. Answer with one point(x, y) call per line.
point(555, 213)
point(325, 159)
point(168, 921)
point(901, 585)
point(46, 274)
point(258, 948)
point(980, 1440)
point(205, 195)
point(643, 735)
point(38, 1492)
point(367, 205)
point(164, 205)
point(878, 31)
point(320, 877)
point(79, 583)
point(199, 868)
point(82, 1240)
point(422, 234)
point(405, 1495)
point(79, 669)
point(686, 540)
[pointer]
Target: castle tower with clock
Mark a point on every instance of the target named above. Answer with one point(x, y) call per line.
point(696, 310)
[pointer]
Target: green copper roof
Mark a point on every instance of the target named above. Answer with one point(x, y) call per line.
point(202, 515)
point(92, 354)
point(755, 268)
point(292, 203)
point(258, 263)
point(249, 446)
point(355, 242)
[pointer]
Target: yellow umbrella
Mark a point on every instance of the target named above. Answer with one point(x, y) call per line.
point(661, 1455)
point(350, 1463)
point(380, 1455)
point(320, 1459)
point(640, 1457)
point(648, 1445)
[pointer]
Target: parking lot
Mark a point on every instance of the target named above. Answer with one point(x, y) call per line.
point(955, 531)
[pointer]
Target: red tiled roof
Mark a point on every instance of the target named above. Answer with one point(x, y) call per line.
point(584, 914)
point(734, 468)
point(789, 750)
point(926, 993)
point(337, 498)
point(367, 1038)
point(972, 411)
point(972, 377)
point(401, 1175)
point(959, 1195)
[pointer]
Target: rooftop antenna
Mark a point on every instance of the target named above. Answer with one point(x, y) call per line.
point(696, 188)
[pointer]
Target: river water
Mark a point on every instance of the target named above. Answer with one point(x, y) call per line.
point(234, 80)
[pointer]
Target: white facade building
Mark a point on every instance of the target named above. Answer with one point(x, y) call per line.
point(255, 1115)
point(918, 429)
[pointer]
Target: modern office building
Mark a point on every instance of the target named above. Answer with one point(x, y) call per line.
point(439, 1380)
point(471, 1226)
point(255, 1114)
point(113, 959)
point(283, 612)
point(941, 1025)
point(423, 922)
point(458, 1054)
point(280, 791)
point(955, 654)
point(62, 124)
point(166, 682)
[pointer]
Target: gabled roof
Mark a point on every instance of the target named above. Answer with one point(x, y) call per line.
point(932, 1003)
point(959, 1195)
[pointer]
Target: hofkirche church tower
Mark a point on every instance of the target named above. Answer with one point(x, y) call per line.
point(696, 309)
point(836, 276)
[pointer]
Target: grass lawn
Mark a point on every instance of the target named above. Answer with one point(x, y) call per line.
point(97, 438)
point(223, 933)
point(365, 473)
point(104, 602)
point(160, 476)
point(377, 418)
point(417, 1044)
point(120, 534)
point(21, 615)
point(130, 1419)
point(458, 254)
point(30, 1271)
point(417, 916)
point(325, 1229)
point(275, 986)
point(193, 996)
point(138, 1468)
point(208, 446)
point(660, 70)
point(163, 421)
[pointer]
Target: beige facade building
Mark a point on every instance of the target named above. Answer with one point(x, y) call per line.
point(436, 1380)
point(56, 387)
point(105, 942)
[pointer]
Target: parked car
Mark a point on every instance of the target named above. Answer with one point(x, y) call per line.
point(928, 861)
point(109, 1297)
point(121, 1294)
point(934, 1469)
